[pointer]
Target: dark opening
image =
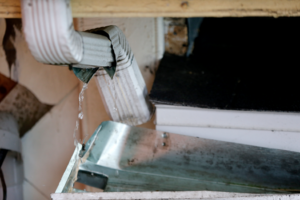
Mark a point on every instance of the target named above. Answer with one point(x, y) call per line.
point(237, 63)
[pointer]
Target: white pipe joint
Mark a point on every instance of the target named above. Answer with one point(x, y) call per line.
point(49, 32)
point(51, 38)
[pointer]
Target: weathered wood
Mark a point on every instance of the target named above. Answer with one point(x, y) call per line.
point(169, 8)
point(10, 8)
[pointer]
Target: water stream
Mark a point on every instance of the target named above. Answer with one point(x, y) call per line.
point(80, 116)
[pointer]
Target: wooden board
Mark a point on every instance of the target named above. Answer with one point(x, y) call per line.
point(10, 9)
point(169, 8)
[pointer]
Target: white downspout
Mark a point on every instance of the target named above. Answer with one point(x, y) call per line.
point(49, 32)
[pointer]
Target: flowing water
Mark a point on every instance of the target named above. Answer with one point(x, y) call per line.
point(80, 116)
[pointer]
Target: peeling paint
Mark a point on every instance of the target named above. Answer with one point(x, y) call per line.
point(176, 36)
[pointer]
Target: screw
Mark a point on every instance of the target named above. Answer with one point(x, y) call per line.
point(163, 144)
point(164, 135)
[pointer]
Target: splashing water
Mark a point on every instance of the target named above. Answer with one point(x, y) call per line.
point(81, 97)
point(80, 115)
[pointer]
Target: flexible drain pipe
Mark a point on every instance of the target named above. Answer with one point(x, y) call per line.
point(51, 38)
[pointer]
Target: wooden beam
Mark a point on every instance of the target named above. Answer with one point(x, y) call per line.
point(189, 8)
point(10, 9)
point(169, 8)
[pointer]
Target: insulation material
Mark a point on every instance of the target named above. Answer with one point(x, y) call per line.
point(176, 36)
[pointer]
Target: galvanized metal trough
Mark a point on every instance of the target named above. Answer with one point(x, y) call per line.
point(122, 158)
